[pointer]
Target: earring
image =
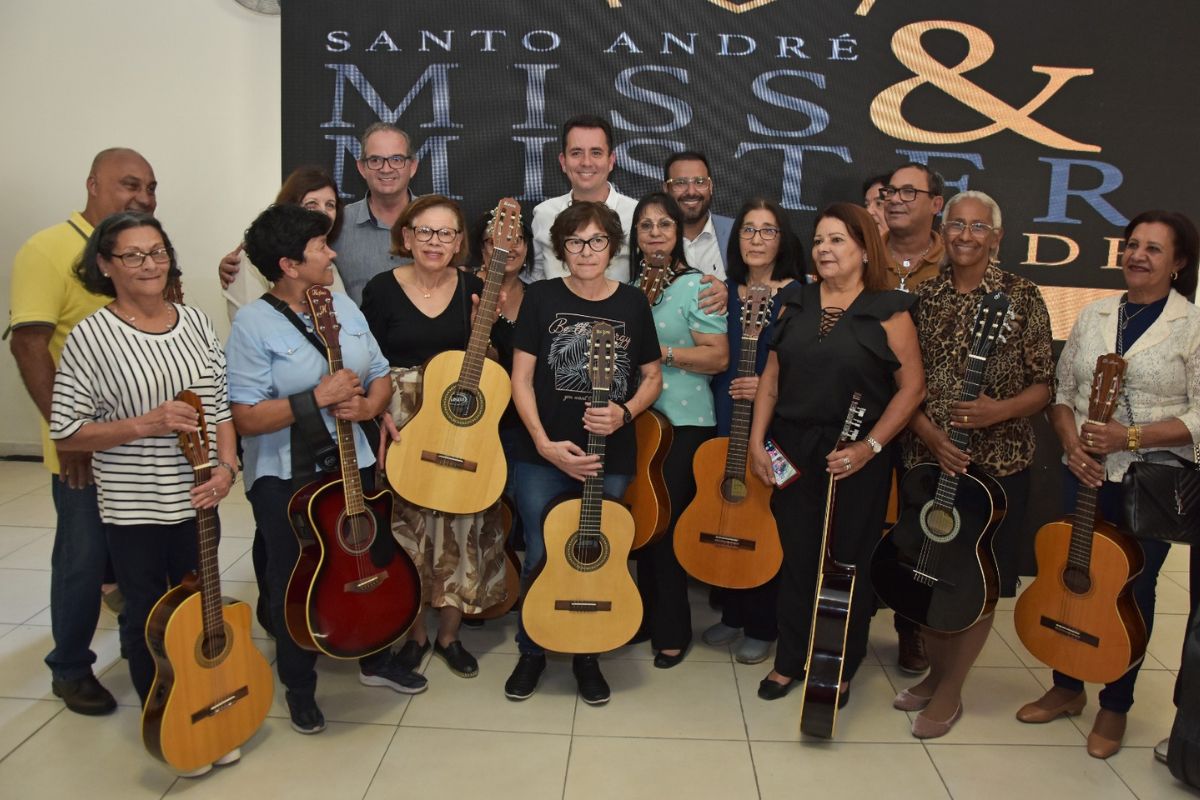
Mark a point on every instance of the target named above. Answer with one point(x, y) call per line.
point(105, 274)
point(1174, 275)
point(864, 259)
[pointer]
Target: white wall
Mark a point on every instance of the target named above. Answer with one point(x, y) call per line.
point(191, 84)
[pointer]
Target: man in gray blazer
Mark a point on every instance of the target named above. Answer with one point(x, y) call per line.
point(687, 178)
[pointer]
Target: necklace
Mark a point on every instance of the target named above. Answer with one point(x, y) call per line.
point(908, 264)
point(427, 293)
point(132, 318)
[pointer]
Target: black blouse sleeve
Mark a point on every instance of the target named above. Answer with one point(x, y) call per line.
point(869, 312)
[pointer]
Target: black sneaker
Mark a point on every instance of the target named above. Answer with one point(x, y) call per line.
point(592, 686)
point(524, 679)
point(391, 673)
point(410, 654)
point(85, 696)
point(460, 662)
point(306, 717)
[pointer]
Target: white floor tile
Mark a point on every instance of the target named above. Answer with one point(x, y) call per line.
point(1028, 772)
point(20, 719)
point(23, 593)
point(33, 555)
point(649, 769)
point(787, 771)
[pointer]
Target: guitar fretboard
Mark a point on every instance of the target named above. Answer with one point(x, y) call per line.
point(485, 318)
point(739, 430)
point(593, 486)
point(210, 572)
point(351, 481)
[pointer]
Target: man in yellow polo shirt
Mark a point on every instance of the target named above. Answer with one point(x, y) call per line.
point(47, 301)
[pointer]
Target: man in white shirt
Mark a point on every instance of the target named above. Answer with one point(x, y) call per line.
point(687, 178)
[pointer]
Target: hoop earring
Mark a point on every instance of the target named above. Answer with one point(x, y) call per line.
point(1174, 275)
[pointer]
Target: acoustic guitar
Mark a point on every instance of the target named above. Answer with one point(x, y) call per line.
point(1079, 616)
point(449, 456)
point(353, 591)
point(585, 600)
point(831, 610)
point(512, 568)
point(727, 535)
point(936, 566)
point(212, 687)
point(646, 496)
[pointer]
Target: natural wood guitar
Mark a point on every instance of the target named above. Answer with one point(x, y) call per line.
point(831, 611)
point(449, 456)
point(353, 591)
point(727, 535)
point(212, 687)
point(1079, 616)
point(585, 600)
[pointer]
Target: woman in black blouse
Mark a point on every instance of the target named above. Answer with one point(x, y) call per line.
point(846, 333)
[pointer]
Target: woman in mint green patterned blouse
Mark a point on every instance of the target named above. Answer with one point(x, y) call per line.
point(694, 348)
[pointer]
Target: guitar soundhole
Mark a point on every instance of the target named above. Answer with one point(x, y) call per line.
point(733, 490)
point(1077, 580)
point(356, 532)
point(939, 523)
point(587, 552)
point(212, 651)
point(462, 406)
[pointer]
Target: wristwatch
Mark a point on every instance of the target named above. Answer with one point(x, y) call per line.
point(670, 356)
point(875, 446)
point(627, 417)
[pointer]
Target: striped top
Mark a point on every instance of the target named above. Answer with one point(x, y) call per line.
point(112, 371)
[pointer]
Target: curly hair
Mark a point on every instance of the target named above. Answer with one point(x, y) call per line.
point(101, 244)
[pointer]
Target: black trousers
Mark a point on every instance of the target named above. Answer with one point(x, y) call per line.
point(752, 610)
point(662, 582)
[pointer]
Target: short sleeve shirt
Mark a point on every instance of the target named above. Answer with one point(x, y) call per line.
point(686, 397)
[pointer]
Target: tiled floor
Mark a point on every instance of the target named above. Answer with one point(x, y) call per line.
point(697, 731)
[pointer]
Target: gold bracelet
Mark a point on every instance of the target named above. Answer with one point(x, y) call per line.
point(1133, 437)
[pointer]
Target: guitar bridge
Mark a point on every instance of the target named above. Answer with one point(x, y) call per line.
point(925, 579)
point(731, 542)
point(223, 704)
point(583, 605)
point(454, 462)
point(368, 584)
point(1070, 631)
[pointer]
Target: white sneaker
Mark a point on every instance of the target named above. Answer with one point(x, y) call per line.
point(197, 772)
point(1160, 750)
point(232, 757)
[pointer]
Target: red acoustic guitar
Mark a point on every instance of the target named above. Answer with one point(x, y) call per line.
point(353, 590)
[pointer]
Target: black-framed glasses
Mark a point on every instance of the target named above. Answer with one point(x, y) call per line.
point(700, 182)
point(397, 160)
point(979, 230)
point(648, 225)
point(767, 232)
point(444, 235)
point(573, 244)
point(136, 258)
point(906, 193)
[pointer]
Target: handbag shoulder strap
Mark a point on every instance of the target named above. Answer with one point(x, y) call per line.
point(1138, 455)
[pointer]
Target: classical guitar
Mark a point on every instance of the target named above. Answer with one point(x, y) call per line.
point(727, 535)
point(1079, 616)
point(935, 566)
point(646, 497)
point(212, 687)
point(831, 610)
point(353, 591)
point(449, 457)
point(585, 600)
point(512, 568)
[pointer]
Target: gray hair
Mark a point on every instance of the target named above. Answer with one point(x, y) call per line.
point(971, 194)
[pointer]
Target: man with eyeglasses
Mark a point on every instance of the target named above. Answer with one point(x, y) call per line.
point(47, 301)
point(912, 200)
point(687, 178)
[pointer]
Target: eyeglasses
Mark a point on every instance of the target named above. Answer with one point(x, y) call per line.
point(444, 235)
point(683, 183)
point(573, 244)
point(767, 233)
point(136, 258)
point(648, 225)
point(907, 193)
point(979, 230)
point(397, 161)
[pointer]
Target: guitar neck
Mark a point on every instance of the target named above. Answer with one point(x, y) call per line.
point(347, 456)
point(1079, 552)
point(210, 573)
point(485, 318)
point(593, 486)
point(947, 485)
point(739, 429)
point(828, 562)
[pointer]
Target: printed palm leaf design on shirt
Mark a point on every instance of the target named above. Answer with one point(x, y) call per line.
point(569, 359)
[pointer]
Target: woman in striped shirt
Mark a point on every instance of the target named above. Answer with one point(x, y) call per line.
point(114, 395)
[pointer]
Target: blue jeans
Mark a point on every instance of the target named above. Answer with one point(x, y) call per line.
point(76, 572)
point(535, 486)
point(1118, 695)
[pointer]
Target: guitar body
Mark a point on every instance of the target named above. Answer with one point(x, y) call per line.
point(590, 610)
point(512, 569)
point(353, 591)
point(1094, 632)
point(201, 708)
point(727, 535)
point(935, 569)
point(827, 652)
point(449, 457)
point(646, 497)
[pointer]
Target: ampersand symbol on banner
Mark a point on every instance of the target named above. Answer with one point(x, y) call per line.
point(888, 117)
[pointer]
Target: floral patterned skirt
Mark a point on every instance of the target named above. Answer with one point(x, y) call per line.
point(460, 557)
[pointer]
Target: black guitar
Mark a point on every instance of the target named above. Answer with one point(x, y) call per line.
point(936, 566)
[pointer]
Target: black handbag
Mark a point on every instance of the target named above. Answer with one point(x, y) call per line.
point(1162, 499)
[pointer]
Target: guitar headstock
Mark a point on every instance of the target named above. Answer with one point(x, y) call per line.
point(194, 444)
point(1106, 385)
point(854, 419)
point(320, 305)
point(989, 323)
point(756, 309)
point(601, 356)
point(505, 225)
point(656, 275)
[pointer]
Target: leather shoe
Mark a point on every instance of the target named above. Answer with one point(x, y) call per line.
point(907, 701)
point(410, 654)
point(912, 658)
point(925, 728)
point(1050, 707)
point(664, 661)
point(592, 686)
point(460, 662)
point(773, 690)
point(523, 681)
point(85, 696)
point(1107, 732)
